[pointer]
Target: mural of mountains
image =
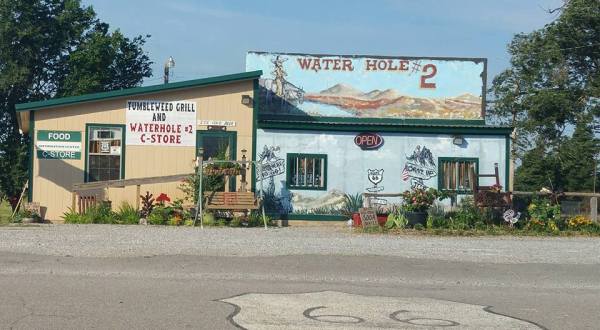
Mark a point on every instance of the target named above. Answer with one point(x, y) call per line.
point(390, 103)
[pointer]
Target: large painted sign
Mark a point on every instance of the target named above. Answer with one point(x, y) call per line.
point(58, 144)
point(370, 87)
point(159, 123)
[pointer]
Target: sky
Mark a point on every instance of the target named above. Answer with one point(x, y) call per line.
point(209, 38)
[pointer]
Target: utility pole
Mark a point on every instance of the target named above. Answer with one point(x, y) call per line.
point(170, 63)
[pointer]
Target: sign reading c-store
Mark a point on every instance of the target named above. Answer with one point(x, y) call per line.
point(58, 144)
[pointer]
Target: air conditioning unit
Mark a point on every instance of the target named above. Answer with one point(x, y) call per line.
point(100, 135)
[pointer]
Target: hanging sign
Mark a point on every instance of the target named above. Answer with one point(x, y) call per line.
point(58, 144)
point(368, 141)
point(227, 123)
point(159, 123)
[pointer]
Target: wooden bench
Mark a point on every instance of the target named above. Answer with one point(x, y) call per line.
point(218, 200)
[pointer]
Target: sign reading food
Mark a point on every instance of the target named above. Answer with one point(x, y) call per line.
point(58, 144)
point(160, 123)
point(368, 141)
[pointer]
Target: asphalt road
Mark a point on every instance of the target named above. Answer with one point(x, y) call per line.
point(205, 289)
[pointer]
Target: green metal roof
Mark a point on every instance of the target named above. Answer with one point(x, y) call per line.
point(32, 106)
point(383, 125)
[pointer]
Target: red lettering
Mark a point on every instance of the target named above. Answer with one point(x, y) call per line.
point(178, 139)
point(424, 83)
point(327, 62)
point(304, 63)
point(347, 65)
point(132, 127)
point(316, 65)
point(404, 65)
point(336, 64)
point(371, 65)
point(391, 66)
point(143, 138)
point(171, 139)
point(380, 67)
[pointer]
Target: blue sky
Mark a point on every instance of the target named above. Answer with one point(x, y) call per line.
point(208, 38)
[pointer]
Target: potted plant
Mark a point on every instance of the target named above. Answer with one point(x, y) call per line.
point(29, 216)
point(416, 203)
point(352, 203)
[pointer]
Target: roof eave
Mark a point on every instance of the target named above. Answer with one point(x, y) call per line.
point(37, 105)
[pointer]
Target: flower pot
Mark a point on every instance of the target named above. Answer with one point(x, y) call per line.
point(356, 220)
point(414, 218)
point(382, 219)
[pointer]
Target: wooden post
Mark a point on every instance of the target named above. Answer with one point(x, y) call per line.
point(594, 209)
point(137, 196)
point(73, 200)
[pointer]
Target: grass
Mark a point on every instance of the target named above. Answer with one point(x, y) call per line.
point(5, 213)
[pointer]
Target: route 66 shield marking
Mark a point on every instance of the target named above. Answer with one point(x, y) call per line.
point(339, 310)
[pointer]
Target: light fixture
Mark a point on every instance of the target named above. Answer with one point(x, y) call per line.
point(246, 100)
point(169, 64)
point(458, 140)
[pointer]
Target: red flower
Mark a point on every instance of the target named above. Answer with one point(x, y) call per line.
point(163, 198)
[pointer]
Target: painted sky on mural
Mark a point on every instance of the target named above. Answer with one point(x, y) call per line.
point(212, 37)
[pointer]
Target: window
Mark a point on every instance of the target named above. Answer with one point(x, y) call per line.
point(458, 174)
point(105, 153)
point(307, 171)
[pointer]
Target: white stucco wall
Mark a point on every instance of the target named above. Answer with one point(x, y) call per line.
point(348, 164)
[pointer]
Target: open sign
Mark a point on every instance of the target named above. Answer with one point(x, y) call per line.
point(368, 141)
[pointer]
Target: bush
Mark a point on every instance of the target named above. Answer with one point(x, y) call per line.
point(158, 216)
point(99, 214)
point(396, 220)
point(437, 217)
point(127, 215)
point(466, 216)
point(351, 204)
point(544, 215)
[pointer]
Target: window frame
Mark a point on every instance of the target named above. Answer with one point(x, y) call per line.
point(288, 172)
point(88, 126)
point(442, 160)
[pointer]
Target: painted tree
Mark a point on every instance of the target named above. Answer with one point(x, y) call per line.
point(551, 88)
point(51, 48)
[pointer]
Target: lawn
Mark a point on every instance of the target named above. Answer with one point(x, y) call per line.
point(5, 213)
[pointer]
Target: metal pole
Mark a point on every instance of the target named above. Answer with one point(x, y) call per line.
point(199, 176)
point(262, 206)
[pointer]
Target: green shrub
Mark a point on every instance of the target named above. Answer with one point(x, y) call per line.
point(437, 217)
point(396, 220)
point(419, 227)
point(175, 221)
point(127, 214)
point(158, 216)
point(544, 216)
point(208, 219)
point(236, 222)
point(351, 204)
point(188, 222)
point(466, 216)
point(71, 216)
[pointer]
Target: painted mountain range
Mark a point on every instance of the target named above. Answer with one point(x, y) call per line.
point(390, 103)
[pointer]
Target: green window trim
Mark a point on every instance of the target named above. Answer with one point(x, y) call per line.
point(87, 146)
point(231, 135)
point(442, 160)
point(288, 175)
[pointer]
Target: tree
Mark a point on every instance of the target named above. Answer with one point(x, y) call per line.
point(54, 48)
point(552, 88)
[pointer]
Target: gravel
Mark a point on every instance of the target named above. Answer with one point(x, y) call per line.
point(132, 241)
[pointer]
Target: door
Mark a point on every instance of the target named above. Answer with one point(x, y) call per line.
point(218, 145)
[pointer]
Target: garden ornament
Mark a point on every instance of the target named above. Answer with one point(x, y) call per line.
point(509, 216)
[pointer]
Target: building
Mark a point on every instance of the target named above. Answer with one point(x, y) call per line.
point(134, 133)
point(323, 126)
point(332, 125)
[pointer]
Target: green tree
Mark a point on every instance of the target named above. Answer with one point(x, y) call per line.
point(551, 88)
point(54, 48)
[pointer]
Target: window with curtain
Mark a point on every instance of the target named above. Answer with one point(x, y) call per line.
point(307, 171)
point(458, 174)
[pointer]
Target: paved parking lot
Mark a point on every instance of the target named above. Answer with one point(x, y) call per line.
point(134, 277)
